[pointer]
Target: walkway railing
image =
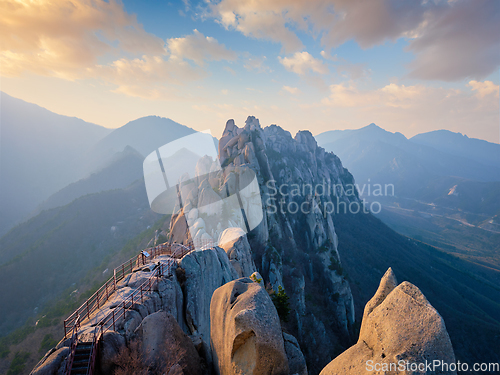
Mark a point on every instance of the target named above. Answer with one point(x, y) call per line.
point(99, 298)
point(114, 317)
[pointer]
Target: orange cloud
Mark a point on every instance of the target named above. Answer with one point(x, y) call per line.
point(63, 38)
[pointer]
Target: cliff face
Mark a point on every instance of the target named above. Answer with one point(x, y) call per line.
point(295, 245)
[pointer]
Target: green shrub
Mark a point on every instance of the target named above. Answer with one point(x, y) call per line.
point(281, 303)
point(335, 266)
point(256, 279)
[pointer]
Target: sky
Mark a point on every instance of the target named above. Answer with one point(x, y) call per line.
point(407, 65)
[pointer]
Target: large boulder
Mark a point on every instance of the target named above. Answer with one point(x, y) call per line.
point(296, 360)
point(164, 346)
point(246, 335)
point(112, 344)
point(172, 300)
point(53, 363)
point(234, 242)
point(205, 271)
point(399, 327)
point(179, 230)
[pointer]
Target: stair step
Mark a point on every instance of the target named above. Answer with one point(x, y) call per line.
point(81, 362)
point(83, 346)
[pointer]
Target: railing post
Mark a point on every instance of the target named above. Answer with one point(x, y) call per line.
point(88, 312)
point(107, 294)
point(114, 279)
point(142, 299)
point(123, 270)
point(114, 329)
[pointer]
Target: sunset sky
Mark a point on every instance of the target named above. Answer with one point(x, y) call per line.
point(408, 66)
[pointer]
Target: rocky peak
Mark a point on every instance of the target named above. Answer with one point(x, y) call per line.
point(304, 137)
point(292, 249)
point(252, 123)
point(398, 324)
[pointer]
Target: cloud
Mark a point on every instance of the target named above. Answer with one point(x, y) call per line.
point(302, 63)
point(484, 89)
point(152, 76)
point(327, 56)
point(199, 48)
point(63, 39)
point(420, 108)
point(257, 64)
point(451, 40)
point(257, 19)
point(292, 90)
point(95, 39)
point(149, 77)
point(458, 42)
point(352, 71)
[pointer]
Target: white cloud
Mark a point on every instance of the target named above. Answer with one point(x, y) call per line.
point(451, 40)
point(256, 63)
point(257, 19)
point(199, 48)
point(327, 56)
point(484, 89)
point(302, 63)
point(292, 90)
point(149, 77)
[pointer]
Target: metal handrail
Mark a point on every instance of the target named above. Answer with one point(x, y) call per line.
point(72, 346)
point(97, 300)
point(93, 351)
point(111, 319)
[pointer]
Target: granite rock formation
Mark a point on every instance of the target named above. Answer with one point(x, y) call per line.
point(399, 326)
point(246, 335)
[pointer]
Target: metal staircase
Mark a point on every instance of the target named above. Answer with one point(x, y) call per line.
point(81, 361)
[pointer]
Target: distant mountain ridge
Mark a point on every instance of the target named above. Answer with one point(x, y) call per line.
point(43, 152)
point(460, 145)
point(124, 169)
point(375, 155)
point(144, 134)
point(39, 154)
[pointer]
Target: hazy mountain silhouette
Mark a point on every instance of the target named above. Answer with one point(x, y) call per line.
point(378, 156)
point(145, 135)
point(40, 153)
point(460, 145)
point(124, 168)
point(43, 152)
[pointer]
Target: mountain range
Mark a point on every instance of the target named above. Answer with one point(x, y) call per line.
point(42, 153)
point(441, 167)
point(83, 225)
